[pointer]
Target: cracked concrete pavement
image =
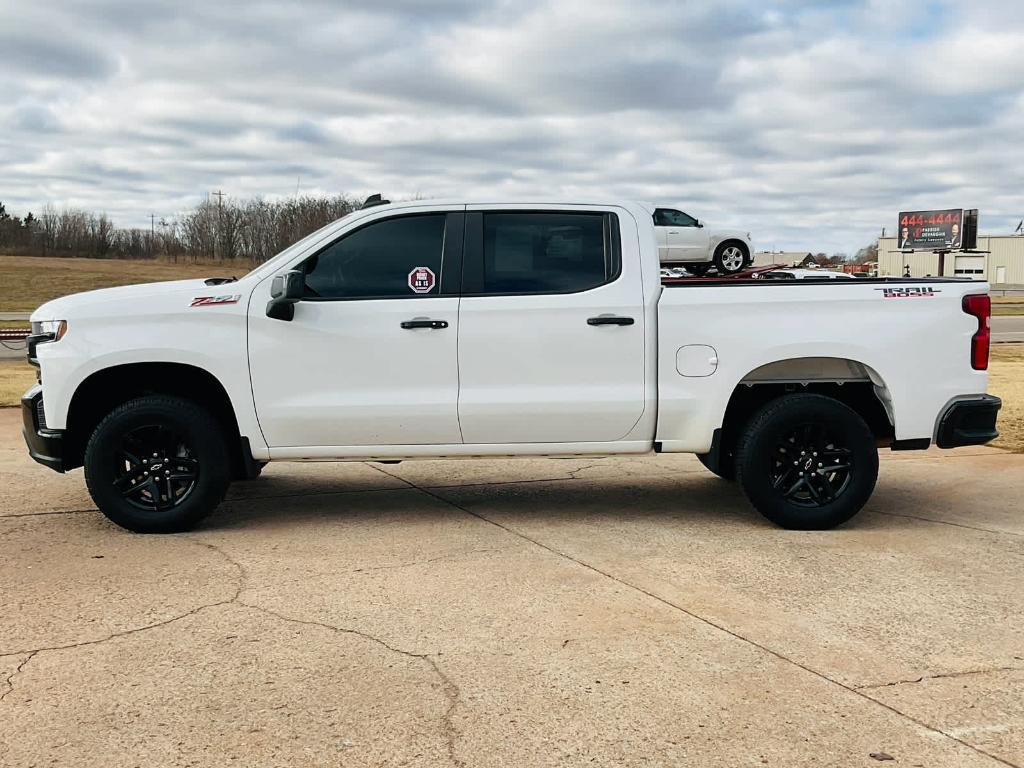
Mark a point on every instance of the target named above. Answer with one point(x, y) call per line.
point(515, 613)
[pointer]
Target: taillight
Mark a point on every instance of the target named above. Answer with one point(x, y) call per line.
point(979, 305)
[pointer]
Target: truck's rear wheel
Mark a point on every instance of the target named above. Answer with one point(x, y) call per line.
point(807, 462)
point(157, 464)
point(730, 258)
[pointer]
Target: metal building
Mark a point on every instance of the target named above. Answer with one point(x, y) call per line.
point(789, 258)
point(1003, 265)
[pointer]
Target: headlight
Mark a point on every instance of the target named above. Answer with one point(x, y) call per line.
point(55, 329)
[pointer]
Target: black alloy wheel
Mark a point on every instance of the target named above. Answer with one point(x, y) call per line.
point(810, 467)
point(807, 462)
point(155, 468)
point(158, 464)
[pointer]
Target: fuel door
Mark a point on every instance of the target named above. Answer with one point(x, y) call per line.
point(696, 360)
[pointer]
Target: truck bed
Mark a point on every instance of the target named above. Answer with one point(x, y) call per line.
point(909, 337)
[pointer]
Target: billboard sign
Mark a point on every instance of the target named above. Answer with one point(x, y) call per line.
point(931, 230)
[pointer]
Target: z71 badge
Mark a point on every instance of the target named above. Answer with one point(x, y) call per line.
point(211, 301)
point(908, 292)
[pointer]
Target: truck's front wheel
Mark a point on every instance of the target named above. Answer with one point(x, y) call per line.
point(807, 462)
point(157, 464)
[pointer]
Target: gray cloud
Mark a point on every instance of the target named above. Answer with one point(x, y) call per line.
point(809, 124)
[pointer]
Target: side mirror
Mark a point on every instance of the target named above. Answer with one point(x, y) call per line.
point(285, 290)
point(700, 223)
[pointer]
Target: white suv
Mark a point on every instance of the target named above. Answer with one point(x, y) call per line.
point(684, 241)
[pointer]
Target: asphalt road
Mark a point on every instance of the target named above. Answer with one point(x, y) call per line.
point(619, 612)
point(1008, 328)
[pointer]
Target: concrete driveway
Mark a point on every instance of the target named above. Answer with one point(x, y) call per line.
point(516, 613)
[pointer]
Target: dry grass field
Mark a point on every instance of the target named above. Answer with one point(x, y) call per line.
point(1008, 305)
point(1006, 380)
point(15, 377)
point(28, 281)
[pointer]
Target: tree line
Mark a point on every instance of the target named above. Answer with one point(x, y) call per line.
point(252, 230)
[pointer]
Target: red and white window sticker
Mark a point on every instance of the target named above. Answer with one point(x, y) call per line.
point(422, 280)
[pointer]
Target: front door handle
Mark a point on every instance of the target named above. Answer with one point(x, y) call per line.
point(435, 324)
point(609, 320)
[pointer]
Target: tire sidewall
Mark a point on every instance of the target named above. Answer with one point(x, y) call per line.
point(200, 432)
point(719, 253)
point(772, 426)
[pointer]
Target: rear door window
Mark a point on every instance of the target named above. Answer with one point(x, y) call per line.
point(543, 252)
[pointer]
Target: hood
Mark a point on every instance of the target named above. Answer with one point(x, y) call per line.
point(109, 300)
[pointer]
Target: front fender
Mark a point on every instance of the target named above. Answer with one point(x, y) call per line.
point(211, 340)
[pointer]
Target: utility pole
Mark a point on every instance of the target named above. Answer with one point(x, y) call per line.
point(220, 220)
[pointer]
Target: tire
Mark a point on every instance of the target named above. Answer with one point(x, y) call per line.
point(698, 270)
point(730, 257)
point(811, 430)
point(726, 468)
point(172, 435)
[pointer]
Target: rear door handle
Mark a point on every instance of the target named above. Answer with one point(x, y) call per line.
point(609, 320)
point(435, 324)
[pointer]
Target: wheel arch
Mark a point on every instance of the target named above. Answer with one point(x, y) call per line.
point(732, 240)
point(105, 389)
point(851, 382)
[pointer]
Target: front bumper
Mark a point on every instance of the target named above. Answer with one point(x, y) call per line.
point(44, 445)
point(969, 422)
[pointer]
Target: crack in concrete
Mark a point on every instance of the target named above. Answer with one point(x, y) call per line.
point(451, 690)
point(17, 515)
point(943, 522)
point(941, 676)
point(16, 672)
point(573, 473)
point(721, 628)
point(31, 653)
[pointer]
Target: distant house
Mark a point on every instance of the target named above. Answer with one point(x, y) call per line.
point(786, 258)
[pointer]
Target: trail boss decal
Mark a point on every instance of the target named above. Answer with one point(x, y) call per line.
point(422, 280)
point(211, 301)
point(908, 292)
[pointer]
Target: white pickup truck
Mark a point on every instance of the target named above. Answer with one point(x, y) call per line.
point(440, 330)
point(684, 241)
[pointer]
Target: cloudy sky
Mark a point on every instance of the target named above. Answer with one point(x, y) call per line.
point(809, 123)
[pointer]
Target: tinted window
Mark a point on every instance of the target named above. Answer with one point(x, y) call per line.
point(667, 217)
point(546, 252)
point(376, 261)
